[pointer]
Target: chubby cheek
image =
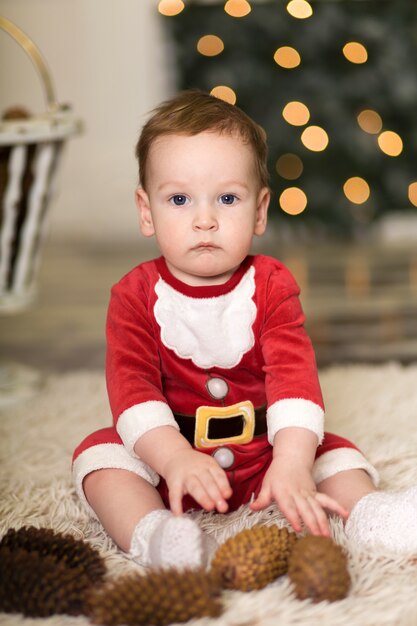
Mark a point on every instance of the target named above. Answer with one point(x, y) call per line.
point(240, 239)
point(168, 225)
point(171, 239)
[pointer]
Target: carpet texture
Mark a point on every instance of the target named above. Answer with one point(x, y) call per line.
point(374, 406)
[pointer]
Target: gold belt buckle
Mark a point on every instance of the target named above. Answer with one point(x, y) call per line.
point(206, 413)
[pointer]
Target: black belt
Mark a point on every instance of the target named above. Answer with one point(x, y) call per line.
point(222, 427)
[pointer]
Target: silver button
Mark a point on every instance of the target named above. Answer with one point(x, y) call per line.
point(217, 388)
point(224, 457)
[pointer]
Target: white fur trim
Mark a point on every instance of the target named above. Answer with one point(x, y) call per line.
point(136, 421)
point(340, 460)
point(212, 332)
point(295, 412)
point(108, 456)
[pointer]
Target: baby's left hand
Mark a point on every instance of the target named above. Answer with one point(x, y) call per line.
point(289, 483)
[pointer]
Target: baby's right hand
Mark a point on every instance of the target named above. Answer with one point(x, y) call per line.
point(198, 475)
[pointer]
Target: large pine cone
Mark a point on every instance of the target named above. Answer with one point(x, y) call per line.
point(158, 598)
point(318, 570)
point(253, 558)
point(70, 552)
point(39, 586)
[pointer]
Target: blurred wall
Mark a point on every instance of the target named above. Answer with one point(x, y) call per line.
point(110, 61)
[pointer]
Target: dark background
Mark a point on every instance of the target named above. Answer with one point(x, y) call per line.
point(334, 89)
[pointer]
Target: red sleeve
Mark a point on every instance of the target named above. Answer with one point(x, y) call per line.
point(133, 370)
point(291, 379)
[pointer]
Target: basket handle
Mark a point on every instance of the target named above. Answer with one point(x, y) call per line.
point(35, 56)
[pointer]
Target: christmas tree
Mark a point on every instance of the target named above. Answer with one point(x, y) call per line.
point(333, 83)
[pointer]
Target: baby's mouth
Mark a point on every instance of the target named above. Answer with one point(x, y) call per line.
point(205, 245)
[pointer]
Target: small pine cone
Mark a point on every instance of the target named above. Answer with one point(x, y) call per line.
point(318, 570)
point(253, 558)
point(39, 586)
point(69, 551)
point(158, 598)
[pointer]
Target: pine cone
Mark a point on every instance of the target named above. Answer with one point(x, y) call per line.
point(159, 598)
point(40, 586)
point(318, 569)
point(253, 558)
point(70, 552)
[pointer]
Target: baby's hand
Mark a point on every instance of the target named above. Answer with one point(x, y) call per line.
point(293, 489)
point(198, 475)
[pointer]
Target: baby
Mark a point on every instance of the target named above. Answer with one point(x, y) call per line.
point(211, 376)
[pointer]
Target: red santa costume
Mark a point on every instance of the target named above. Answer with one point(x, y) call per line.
point(174, 348)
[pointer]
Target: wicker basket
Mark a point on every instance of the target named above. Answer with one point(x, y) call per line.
point(30, 151)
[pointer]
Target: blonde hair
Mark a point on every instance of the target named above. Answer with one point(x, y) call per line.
point(192, 112)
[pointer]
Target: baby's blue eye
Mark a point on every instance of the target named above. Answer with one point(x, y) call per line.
point(227, 198)
point(178, 199)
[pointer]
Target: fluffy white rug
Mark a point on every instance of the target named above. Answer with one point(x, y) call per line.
point(374, 406)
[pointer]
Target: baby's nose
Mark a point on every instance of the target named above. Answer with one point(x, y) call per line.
point(205, 219)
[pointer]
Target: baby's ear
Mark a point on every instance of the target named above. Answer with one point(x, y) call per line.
point(145, 215)
point(264, 198)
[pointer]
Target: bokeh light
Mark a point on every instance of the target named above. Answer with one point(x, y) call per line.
point(301, 9)
point(356, 190)
point(412, 193)
point(287, 57)
point(210, 45)
point(237, 8)
point(293, 201)
point(370, 121)
point(170, 7)
point(224, 93)
point(390, 143)
point(315, 138)
point(289, 166)
point(296, 113)
point(355, 52)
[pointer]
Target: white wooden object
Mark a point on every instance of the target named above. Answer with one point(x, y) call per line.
point(30, 151)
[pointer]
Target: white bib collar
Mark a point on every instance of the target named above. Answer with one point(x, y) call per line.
point(211, 331)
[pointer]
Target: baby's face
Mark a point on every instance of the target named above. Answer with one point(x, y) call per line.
point(203, 204)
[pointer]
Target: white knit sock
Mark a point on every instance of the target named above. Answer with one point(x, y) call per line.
point(162, 540)
point(385, 519)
